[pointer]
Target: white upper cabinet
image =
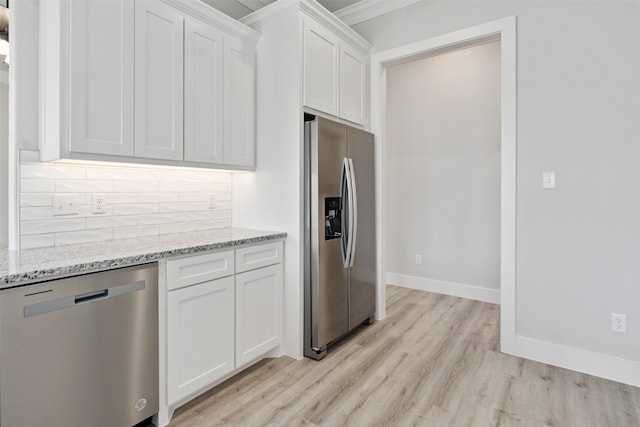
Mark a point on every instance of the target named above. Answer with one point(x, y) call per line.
point(203, 93)
point(239, 97)
point(352, 85)
point(321, 68)
point(164, 81)
point(158, 81)
point(334, 68)
point(101, 77)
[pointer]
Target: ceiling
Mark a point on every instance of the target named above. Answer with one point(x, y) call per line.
point(239, 8)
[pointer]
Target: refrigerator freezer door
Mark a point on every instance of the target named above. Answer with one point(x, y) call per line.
point(329, 291)
point(362, 289)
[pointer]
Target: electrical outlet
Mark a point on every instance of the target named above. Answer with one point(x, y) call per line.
point(212, 201)
point(65, 204)
point(97, 204)
point(619, 322)
point(549, 180)
point(418, 259)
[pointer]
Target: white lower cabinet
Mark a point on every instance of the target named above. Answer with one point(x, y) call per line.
point(200, 336)
point(223, 312)
point(258, 307)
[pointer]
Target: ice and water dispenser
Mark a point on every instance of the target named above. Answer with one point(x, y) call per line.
point(332, 218)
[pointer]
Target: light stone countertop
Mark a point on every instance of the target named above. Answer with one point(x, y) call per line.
point(34, 265)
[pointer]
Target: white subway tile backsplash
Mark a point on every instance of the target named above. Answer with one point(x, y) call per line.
point(135, 208)
point(83, 237)
point(36, 199)
point(37, 185)
point(158, 197)
point(139, 201)
point(114, 198)
point(162, 218)
point(194, 197)
point(112, 221)
point(180, 207)
point(128, 232)
point(137, 186)
point(51, 171)
point(35, 213)
point(37, 241)
point(83, 186)
point(120, 174)
point(178, 227)
point(51, 226)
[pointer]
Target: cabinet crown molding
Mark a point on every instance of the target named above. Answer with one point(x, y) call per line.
point(314, 10)
point(216, 18)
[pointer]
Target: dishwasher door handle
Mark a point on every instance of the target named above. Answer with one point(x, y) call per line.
point(71, 301)
point(79, 299)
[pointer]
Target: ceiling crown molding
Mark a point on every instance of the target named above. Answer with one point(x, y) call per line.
point(365, 10)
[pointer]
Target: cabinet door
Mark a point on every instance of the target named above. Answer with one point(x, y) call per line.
point(258, 307)
point(158, 81)
point(203, 93)
point(239, 98)
point(101, 77)
point(352, 84)
point(200, 348)
point(321, 59)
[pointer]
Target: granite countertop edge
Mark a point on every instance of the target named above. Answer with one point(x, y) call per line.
point(107, 259)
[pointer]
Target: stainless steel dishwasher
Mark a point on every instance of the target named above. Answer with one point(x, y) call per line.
point(80, 351)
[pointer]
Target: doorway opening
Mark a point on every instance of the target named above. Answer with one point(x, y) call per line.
point(500, 34)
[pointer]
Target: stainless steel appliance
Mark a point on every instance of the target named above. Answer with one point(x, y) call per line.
point(340, 238)
point(80, 351)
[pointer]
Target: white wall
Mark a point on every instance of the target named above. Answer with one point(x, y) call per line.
point(271, 198)
point(578, 106)
point(443, 168)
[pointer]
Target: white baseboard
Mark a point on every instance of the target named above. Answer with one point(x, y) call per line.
point(442, 287)
point(597, 364)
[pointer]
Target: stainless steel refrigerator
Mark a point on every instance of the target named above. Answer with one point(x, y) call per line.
point(340, 234)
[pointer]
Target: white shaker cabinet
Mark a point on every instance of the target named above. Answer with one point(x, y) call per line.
point(258, 300)
point(223, 312)
point(200, 336)
point(353, 82)
point(258, 312)
point(203, 93)
point(239, 102)
point(167, 82)
point(101, 77)
point(334, 73)
point(321, 68)
point(158, 81)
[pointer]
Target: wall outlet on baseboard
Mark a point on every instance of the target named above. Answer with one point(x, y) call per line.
point(619, 322)
point(418, 259)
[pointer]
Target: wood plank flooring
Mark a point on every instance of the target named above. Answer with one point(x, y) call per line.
point(434, 361)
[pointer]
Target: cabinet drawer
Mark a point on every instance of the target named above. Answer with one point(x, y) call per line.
point(200, 268)
point(258, 256)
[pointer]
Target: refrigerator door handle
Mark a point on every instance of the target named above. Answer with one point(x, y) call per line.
point(345, 242)
point(353, 214)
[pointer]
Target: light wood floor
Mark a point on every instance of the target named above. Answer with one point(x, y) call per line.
point(434, 361)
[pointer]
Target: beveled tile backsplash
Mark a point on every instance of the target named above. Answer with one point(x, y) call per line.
point(139, 201)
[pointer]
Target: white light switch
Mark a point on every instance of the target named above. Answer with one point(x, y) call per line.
point(549, 180)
